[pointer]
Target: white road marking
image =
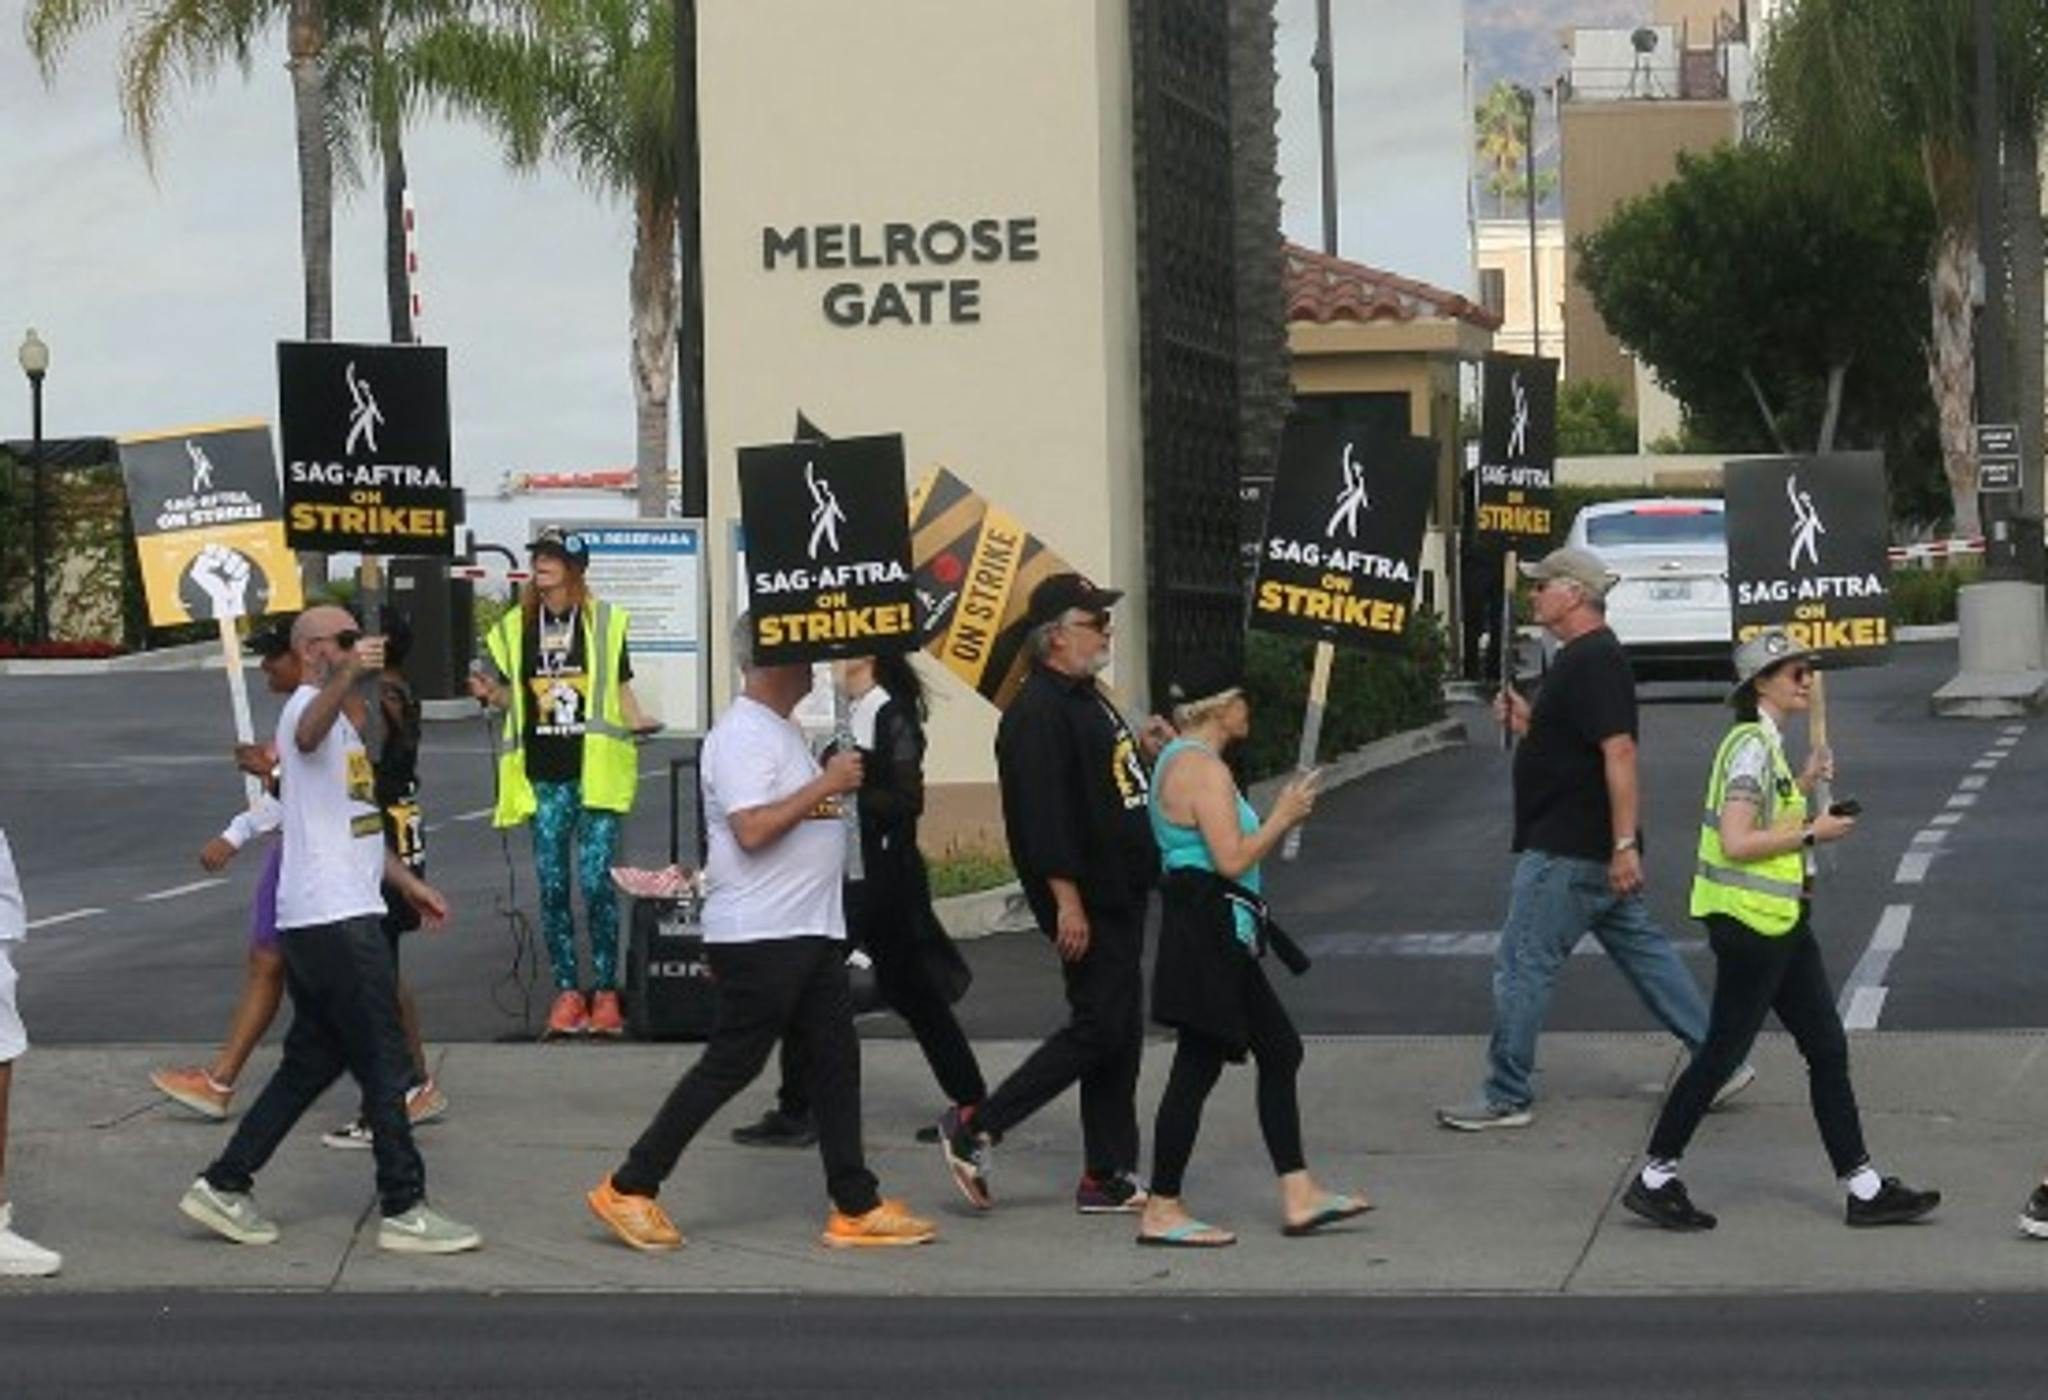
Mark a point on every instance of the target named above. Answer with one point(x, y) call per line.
point(174, 891)
point(1974, 783)
point(2013, 730)
point(1947, 818)
point(1985, 765)
point(1963, 799)
point(478, 815)
point(2009, 742)
point(1477, 944)
point(1929, 838)
point(1913, 867)
point(1863, 994)
point(52, 920)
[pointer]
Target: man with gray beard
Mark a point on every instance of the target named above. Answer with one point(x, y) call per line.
point(1074, 781)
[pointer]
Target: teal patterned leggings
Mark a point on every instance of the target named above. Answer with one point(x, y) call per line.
point(559, 817)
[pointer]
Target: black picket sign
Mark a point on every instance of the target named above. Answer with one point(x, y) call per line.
point(1343, 541)
point(828, 549)
point(1517, 474)
point(1806, 552)
point(364, 432)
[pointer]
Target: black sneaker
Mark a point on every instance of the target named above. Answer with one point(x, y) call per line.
point(2034, 1216)
point(967, 1154)
point(777, 1129)
point(1894, 1204)
point(1667, 1206)
point(1110, 1195)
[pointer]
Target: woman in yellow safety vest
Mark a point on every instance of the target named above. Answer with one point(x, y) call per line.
point(557, 666)
point(1753, 888)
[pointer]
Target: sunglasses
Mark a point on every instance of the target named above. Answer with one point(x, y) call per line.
point(346, 638)
point(1798, 672)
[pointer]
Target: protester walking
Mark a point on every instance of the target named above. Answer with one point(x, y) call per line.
point(1209, 982)
point(775, 931)
point(918, 972)
point(1754, 890)
point(1580, 846)
point(338, 965)
point(20, 1257)
point(1074, 783)
point(557, 665)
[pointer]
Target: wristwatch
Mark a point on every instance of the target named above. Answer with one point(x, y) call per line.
point(1806, 836)
point(1626, 843)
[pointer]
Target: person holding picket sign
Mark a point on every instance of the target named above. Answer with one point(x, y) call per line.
point(557, 666)
point(1209, 983)
point(1754, 890)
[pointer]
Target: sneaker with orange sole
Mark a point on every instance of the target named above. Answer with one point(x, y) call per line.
point(196, 1089)
point(605, 1017)
point(638, 1220)
point(568, 1016)
point(887, 1226)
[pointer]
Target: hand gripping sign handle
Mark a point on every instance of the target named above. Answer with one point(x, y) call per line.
point(238, 697)
point(1311, 731)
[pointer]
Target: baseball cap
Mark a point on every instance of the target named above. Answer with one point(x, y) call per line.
point(1581, 566)
point(274, 637)
point(1203, 678)
point(565, 545)
point(1058, 594)
point(1773, 646)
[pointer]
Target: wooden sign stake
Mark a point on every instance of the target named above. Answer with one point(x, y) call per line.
point(1311, 730)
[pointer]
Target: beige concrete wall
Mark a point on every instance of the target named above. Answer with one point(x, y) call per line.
point(815, 112)
point(1614, 151)
point(1502, 245)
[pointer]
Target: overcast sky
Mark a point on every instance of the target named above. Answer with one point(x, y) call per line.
point(162, 296)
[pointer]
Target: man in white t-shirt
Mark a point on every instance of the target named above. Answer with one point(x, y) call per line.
point(338, 963)
point(775, 933)
point(19, 1258)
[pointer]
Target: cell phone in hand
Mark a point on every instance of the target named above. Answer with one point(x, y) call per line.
point(1847, 807)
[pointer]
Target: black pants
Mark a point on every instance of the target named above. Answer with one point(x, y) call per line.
point(344, 992)
point(792, 988)
point(1197, 1064)
point(1756, 976)
point(890, 937)
point(1098, 1048)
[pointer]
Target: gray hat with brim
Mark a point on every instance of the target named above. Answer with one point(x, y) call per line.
point(1771, 647)
point(1581, 566)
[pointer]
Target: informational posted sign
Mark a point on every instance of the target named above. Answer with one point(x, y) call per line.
point(828, 546)
point(209, 526)
point(1998, 457)
point(654, 569)
point(1517, 471)
point(1344, 534)
point(1806, 552)
point(976, 567)
point(364, 431)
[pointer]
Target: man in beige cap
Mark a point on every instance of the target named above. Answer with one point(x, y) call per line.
point(1580, 868)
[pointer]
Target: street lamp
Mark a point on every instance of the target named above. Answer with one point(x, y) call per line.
point(1527, 98)
point(35, 363)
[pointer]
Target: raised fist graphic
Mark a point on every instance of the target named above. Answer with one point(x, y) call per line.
point(223, 574)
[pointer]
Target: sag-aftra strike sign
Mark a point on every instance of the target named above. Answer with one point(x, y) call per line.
point(205, 506)
point(1518, 448)
point(1806, 552)
point(828, 549)
point(364, 429)
point(1344, 535)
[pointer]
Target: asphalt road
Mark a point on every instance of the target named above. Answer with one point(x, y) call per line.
point(110, 785)
point(174, 1346)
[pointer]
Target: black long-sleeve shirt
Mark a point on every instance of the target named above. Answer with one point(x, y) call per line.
point(1074, 790)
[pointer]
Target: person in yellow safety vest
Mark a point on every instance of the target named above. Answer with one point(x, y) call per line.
point(557, 666)
point(1753, 887)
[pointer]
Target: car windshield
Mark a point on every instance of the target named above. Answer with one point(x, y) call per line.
point(1667, 526)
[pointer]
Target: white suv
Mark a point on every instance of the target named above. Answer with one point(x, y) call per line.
point(1670, 605)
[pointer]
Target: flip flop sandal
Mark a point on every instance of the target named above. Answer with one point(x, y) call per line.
point(1189, 1235)
point(1332, 1209)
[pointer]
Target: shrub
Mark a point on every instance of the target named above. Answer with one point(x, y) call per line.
point(969, 870)
point(1921, 597)
point(1371, 696)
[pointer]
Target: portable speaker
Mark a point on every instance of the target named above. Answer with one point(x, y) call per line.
point(669, 992)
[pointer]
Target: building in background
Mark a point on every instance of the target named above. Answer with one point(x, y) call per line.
point(1502, 249)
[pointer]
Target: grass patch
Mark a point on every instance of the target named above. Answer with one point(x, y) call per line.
point(969, 870)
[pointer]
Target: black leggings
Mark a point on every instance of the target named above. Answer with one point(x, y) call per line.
point(1198, 1062)
point(1756, 976)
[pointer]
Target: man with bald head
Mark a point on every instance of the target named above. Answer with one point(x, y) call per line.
point(338, 964)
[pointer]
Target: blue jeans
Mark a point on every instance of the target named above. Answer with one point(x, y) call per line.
point(1555, 899)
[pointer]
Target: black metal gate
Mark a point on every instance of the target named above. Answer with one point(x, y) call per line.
point(1180, 61)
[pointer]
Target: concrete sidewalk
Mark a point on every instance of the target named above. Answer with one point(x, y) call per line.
point(97, 1162)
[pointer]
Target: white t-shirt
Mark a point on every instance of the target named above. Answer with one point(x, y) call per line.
point(333, 836)
point(789, 888)
point(13, 912)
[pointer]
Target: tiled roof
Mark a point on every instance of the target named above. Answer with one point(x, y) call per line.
point(1325, 289)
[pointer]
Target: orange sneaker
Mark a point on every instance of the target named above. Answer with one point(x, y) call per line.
point(605, 1016)
point(638, 1220)
point(568, 1016)
point(888, 1225)
point(195, 1089)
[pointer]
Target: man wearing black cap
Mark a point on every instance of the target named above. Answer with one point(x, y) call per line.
point(1074, 791)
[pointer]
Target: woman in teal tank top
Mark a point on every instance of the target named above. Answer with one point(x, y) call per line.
point(1207, 982)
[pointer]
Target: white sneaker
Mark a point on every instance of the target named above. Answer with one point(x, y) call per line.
point(1743, 1077)
point(423, 1230)
point(229, 1213)
point(21, 1258)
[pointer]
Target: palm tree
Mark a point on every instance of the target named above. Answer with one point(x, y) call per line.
point(592, 84)
point(1500, 125)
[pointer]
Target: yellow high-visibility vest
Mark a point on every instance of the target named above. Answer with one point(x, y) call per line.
point(611, 770)
point(1763, 894)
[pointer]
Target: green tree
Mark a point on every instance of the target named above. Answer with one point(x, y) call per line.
point(590, 83)
point(1591, 421)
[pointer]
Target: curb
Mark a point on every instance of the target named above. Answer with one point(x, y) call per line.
point(1002, 909)
point(1928, 632)
point(193, 656)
